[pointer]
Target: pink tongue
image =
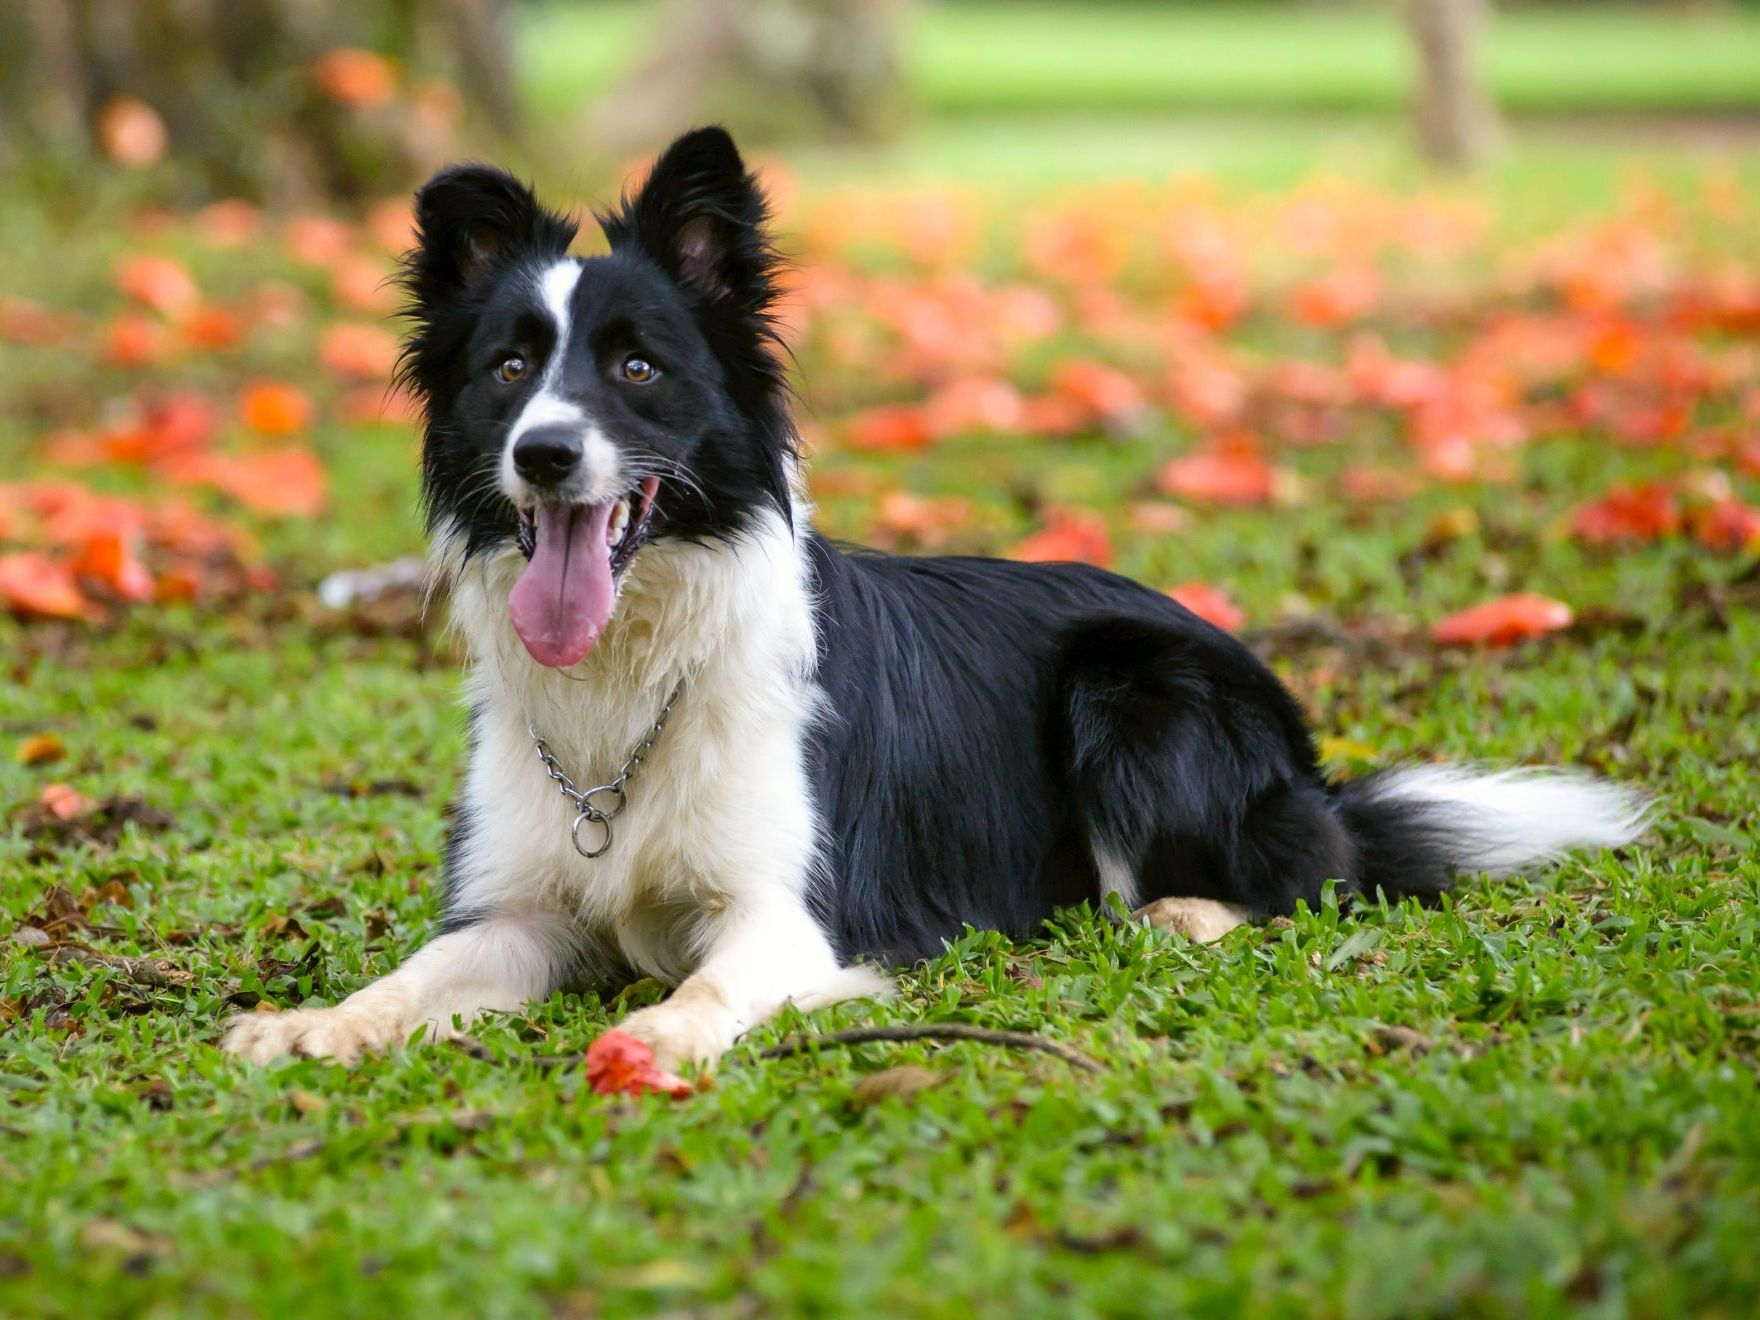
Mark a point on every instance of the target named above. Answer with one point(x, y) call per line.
point(560, 603)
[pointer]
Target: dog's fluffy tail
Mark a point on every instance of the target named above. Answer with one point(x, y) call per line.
point(1416, 827)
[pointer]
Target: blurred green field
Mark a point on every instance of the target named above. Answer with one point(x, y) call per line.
point(1110, 58)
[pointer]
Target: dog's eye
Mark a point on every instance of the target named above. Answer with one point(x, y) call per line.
point(510, 368)
point(638, 370)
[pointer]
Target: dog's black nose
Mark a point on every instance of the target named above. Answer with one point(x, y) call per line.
point(546, 455)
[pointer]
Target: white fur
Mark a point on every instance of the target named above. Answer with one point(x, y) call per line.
point(1508, 819)
point(1118, 875)
point(601, 475)
point(705, 882)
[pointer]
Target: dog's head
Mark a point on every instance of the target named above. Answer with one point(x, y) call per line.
point(581, 408)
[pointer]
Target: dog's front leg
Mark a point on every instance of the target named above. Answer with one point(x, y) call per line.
point(761, 955)
point(498, 962)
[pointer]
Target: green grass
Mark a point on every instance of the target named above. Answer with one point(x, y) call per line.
point(1582, 1133)
point(1015, 57)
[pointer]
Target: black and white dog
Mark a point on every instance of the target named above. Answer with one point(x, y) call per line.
point(865, 753)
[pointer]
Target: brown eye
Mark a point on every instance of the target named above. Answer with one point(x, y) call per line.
point(510, 369)
point(638, 370)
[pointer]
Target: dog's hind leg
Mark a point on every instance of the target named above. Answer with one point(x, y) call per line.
point(1188, 770)
point(1201, 920)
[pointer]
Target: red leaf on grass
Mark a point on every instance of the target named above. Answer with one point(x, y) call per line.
point(1729, 526)
point(1227, 472)
point(133, 341)
point(1628, 513)
point(1102, 390)
point(35, 584)
point(273, 407)
point(62, 801)
point(284, 483)
point(619, 1064)
point(131, 132)
point(1210, 603)
point(972, 404)
point(1069, 536)
point(113, 558)
point(360, 79)
point(162, 283)
point(926, 520)
point(358, 352)
point(895, 427)
point(317, 240)
point(1503, 621)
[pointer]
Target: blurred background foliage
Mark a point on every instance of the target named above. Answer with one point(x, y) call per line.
point(289, 101)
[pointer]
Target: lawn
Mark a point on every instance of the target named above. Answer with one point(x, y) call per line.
point(984, 58)
point(1539, 1097)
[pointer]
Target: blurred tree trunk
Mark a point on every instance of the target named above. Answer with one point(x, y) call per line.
point(769, 69)
point(1456, 123)
point(286, 99)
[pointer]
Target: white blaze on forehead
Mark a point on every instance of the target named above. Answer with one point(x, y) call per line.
point(548, 406)
point(556, 286)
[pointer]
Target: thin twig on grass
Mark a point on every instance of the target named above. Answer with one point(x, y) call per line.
point(1020, 1040)
point(477, 1050)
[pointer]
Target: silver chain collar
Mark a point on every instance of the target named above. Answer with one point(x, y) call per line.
point(617, 790)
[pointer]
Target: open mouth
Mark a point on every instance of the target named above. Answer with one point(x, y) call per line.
point(575, 553)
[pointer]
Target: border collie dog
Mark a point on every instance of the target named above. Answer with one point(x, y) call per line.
point(793, 763)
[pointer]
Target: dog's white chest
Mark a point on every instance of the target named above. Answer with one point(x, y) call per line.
point(719, 796)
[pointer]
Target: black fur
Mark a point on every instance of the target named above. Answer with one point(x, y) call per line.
point(990, 726)
point(688, 283)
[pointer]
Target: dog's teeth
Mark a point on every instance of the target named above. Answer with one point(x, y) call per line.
point(619, 522)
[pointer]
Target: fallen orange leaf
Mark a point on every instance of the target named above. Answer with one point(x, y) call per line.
point(273, 407)
point(619, 1064)
point(131, 133)
point(230, 222)
point(894, 427)
point(926, 520)
point(1628, 513)
point(113, 559)
point(1211, 604)
point(40, 749)
point(133, 341)
point(212, 328)
point(162, 283)
point(1069, 536)
point(359, 352)
point(361, 284)
point(62, 801)
point(355, 77)
point(1503, 621)
point(32, 583)
point(1104, 391)
point(1231, 472)
point(284, 483)
point(317, 240)
point(1729, 526)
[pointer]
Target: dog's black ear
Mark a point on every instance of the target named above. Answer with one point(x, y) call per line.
point(701, 215)
point(470, 216)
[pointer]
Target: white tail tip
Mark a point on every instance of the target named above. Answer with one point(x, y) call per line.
point(1504, 820)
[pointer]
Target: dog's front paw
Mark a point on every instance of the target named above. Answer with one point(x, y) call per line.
point(680, 1034)
point(343, 1033)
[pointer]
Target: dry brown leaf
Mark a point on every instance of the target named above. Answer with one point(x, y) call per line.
point(902, 1083)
